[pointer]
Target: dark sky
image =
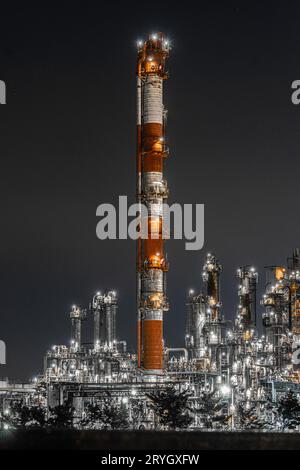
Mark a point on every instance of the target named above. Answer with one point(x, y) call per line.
point(67, 144)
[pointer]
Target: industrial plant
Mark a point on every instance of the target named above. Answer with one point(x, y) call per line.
point(229, 374)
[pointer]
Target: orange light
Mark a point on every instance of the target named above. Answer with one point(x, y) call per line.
point(155, 261)
point(158, 146)
point(279, 273)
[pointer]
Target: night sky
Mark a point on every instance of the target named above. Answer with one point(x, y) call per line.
point(67, 144)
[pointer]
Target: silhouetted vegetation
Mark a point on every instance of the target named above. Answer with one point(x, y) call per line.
point(171, 408)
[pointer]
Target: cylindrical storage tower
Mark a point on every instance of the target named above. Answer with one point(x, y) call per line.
point(152, 193)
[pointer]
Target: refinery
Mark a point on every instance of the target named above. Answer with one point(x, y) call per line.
point(240, 367)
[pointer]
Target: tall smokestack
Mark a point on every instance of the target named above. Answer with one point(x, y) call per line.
point(152, 192)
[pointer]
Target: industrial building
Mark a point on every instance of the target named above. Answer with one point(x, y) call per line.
point(229, 358)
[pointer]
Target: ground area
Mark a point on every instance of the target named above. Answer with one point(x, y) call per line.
point(144, 440)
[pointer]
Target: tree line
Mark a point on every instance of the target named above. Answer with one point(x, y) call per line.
point(169, 409)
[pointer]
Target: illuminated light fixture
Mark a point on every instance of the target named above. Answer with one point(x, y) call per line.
point(225, 390)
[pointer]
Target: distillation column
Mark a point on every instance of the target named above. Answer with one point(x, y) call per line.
point(195, 337)
point(104, 308)
point(77, 315)
point(215, 327)
point(246, 318)
point(96, 311)
point(211, 277)
point(108, 324)
point(276, 301)
point(151, 193)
